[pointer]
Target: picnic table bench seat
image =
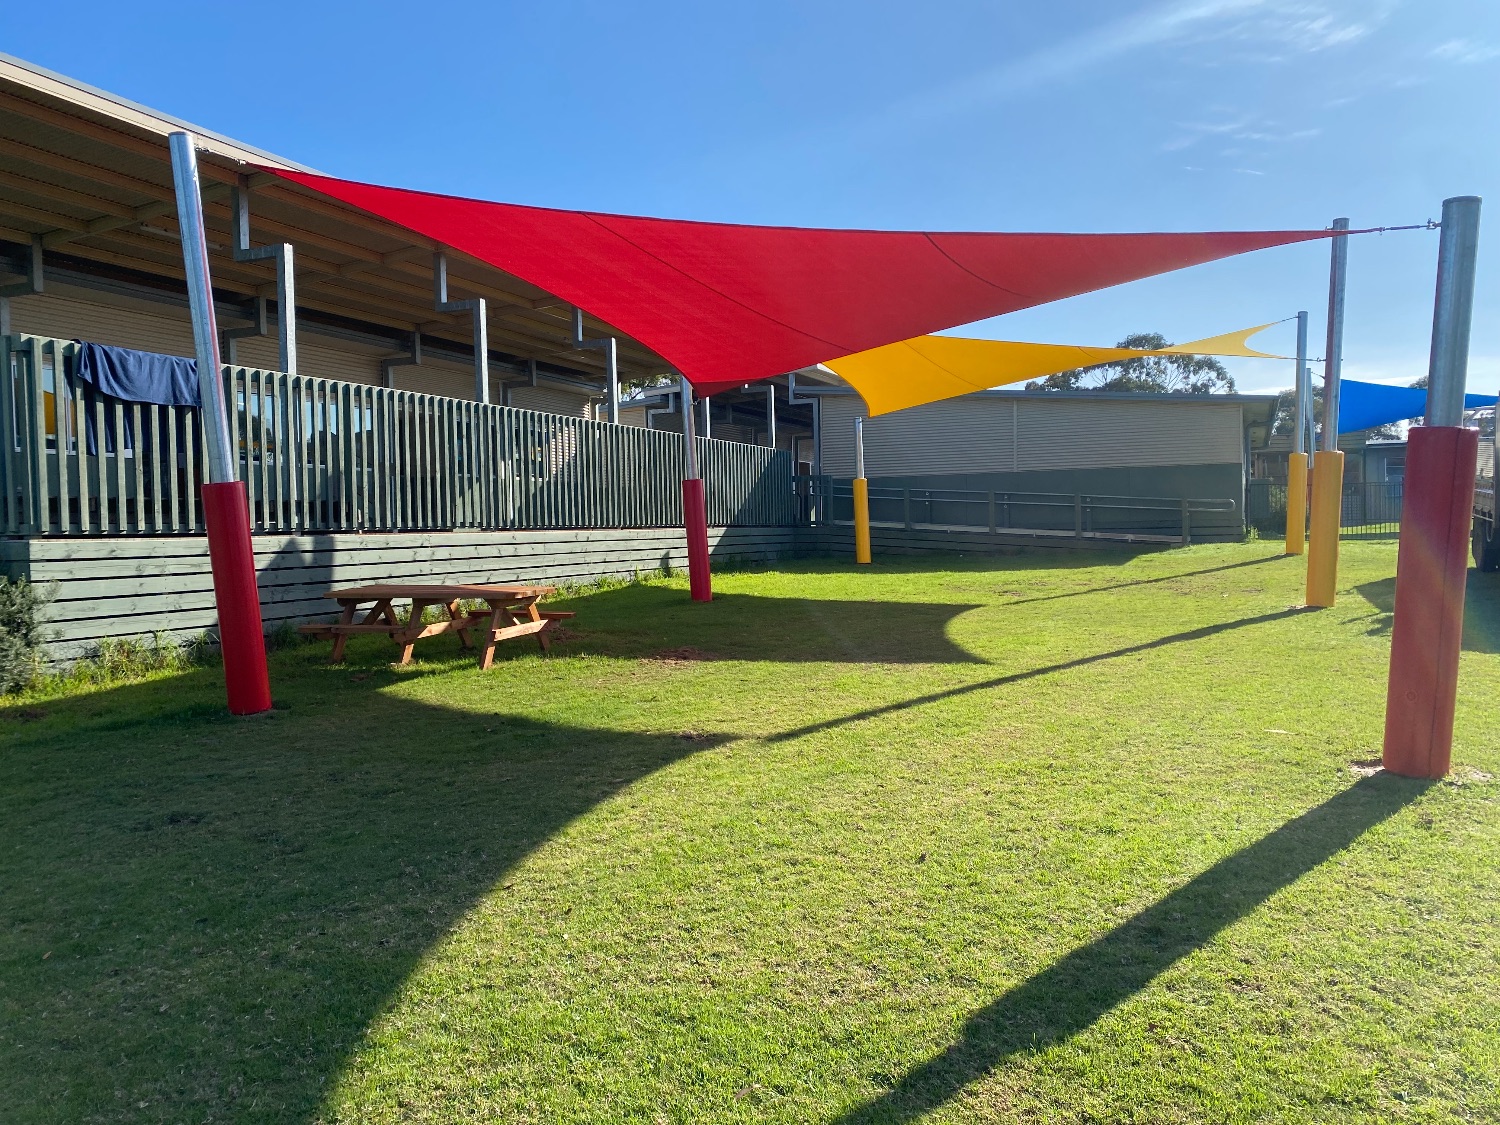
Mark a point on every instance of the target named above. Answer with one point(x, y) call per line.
point(512, 612)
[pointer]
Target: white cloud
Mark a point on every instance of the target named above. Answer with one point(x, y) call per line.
point(1297, 26)
point(1246, 129)
point(1464, 52)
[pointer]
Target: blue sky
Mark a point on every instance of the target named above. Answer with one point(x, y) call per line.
point(1073, 115)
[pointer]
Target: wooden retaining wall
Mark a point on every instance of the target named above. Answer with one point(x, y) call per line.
point(130, 587)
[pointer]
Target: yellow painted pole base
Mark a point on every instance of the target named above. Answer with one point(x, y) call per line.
point(861, 520)
point(1323, 528)
point(1296, 503)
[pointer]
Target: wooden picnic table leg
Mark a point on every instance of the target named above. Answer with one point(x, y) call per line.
point(384, 612)
point(541, 634)
point(487, 656)
point(339, 639)
point(408, 639)
point(454, 613)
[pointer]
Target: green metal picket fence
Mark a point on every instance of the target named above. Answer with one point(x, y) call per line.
point(325, 455)
point(1369, 509)
point(830, 500)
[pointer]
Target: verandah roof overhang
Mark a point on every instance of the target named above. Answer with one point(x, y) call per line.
point(729, 304)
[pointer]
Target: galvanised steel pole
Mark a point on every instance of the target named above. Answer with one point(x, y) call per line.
point(694, 507)
point(1328, 463)
point(219, 460)
point(861, 495)
point(226, 510)
point(1453, 311)
point(1333, 364)
point(1432, 561)
point(1304, 388)
point(1296, 470)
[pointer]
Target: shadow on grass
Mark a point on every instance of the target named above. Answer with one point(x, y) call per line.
point(1033, 673)
point(1147, 581)
point(1075, 992)
point(1481, 609)
point(203, 916)
point(650, 620)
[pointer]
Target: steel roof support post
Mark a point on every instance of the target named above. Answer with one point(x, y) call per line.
point(260, 325)
point(34, 283)
point(479, 310)
point(1296, 465)
point(612, 379)
point(694, 506)
point(611, 349)
point(655, 412)
point(1432, 560)
point(286, 281)
point(1328, 463)
point(226, 510)
point(412, 358)
point(771, 415)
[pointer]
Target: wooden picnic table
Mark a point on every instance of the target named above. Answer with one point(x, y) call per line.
point(512, 612)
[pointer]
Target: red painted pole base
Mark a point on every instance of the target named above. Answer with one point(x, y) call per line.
point(695, 521)
point(241, 639)
point(1432, 565)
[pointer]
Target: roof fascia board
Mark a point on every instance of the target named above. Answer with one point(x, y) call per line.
point(59, 87)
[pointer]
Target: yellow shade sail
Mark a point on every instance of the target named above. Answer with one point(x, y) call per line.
point(932, 368)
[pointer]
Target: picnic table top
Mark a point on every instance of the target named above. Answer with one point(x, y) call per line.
point(445, 593)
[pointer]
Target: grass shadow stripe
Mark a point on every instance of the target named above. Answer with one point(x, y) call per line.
point(1071, 995)
point(1032, 673)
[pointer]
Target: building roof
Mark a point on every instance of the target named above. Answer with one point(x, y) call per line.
point(1258, 411)
point(89, 175)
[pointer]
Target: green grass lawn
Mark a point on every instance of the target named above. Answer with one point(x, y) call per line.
point(1076, 839)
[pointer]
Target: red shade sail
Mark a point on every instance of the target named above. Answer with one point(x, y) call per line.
point(731, 304)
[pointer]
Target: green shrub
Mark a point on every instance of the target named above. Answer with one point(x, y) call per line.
point(284, 636)
point(21, 634)
point(129, 658)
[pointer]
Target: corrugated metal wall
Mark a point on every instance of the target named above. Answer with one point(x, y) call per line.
point(46, 314)
point(167, 330)
point(999, 434)
point(549, 400)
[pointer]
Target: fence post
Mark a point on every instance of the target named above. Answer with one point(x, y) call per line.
point(906, 507)
point(992, 512)
point(1187, 534)
point(1077, 515)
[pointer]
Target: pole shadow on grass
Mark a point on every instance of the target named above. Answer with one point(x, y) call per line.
point(1481, 609)
point(1147, 581)
point(1071, 995)
point(204, 916)
point(1033, 673)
